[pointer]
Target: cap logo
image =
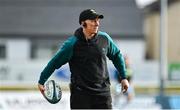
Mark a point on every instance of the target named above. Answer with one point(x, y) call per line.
point(93, 11)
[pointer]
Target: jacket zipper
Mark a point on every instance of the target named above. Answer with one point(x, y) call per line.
point(87, 42)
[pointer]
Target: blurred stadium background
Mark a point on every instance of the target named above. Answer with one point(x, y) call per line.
point(31, 31)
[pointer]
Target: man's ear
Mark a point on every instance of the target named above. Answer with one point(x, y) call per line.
point(84, 24)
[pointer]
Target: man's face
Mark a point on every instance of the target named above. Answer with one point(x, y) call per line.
point(92, 26)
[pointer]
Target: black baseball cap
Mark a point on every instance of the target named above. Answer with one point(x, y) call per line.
point(89, 14)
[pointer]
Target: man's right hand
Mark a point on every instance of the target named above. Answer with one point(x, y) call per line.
point(41, 88)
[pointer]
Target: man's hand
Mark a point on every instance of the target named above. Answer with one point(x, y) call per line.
point(125, 85)
point(41, 88)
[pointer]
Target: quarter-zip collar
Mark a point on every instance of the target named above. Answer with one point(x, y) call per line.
point(80, 35)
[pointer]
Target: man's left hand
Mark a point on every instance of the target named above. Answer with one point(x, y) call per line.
point(125, 85)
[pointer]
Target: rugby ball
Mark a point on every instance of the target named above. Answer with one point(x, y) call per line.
point(52, 92)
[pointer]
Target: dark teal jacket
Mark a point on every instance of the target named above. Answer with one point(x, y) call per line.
point(87, 62)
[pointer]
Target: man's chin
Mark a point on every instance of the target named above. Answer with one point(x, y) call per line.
point(95, 32)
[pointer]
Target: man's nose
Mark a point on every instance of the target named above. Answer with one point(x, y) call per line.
point(97, 23)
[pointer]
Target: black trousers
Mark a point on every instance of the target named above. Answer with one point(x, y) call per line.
point(80, 100)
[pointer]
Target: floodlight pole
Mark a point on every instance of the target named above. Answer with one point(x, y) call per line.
point(163, 45)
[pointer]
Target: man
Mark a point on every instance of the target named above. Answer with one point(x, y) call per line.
point(130, 92)
point(86, 53)
point(129, 73)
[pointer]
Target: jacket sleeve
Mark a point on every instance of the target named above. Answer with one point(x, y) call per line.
point(59, 59)
point(114, 54)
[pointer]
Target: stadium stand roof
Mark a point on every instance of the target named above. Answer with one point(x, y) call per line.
point(60, 17)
